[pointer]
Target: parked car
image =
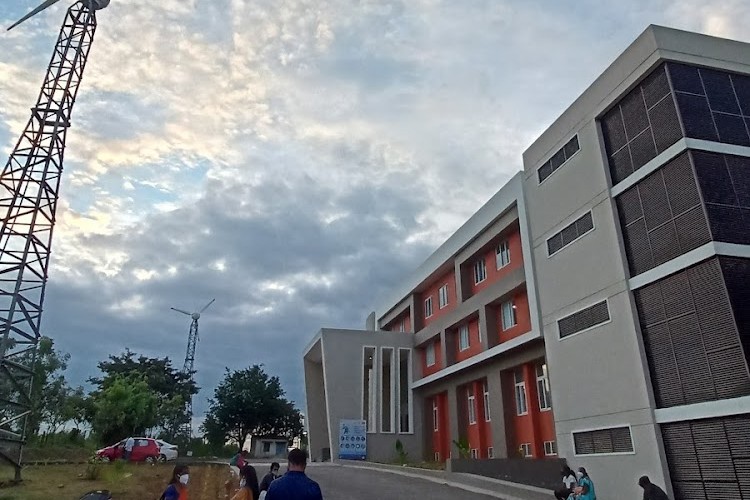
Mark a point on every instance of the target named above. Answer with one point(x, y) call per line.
point(166, 451)
point(144, 450)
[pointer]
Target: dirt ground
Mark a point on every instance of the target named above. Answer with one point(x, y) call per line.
point(125, 481)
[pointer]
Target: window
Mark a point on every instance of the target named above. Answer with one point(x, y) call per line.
point(603, 441)
point(463, 337)
point(430, 354)
point(550, 448)
point(583, 319)
point(570, 233)
point(437, 456)
point(502, 254)
point(480, 271)
point(542, 387)
point(443, 296)
point(509, 315)
point(486, 392)
point(402, 325)
point(521, 406)
point(490, 452)
point(558, 159)
point(428, 307)
point(474, 453)
point(387, 389)
point(404, 392)
point(435, 415)
point(471, 404)
point(525, 450)
point(266, 447)
point(369, 384)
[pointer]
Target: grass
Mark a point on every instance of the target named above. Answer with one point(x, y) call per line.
point(125, 481)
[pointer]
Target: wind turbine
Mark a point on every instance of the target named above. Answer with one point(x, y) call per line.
point(187, 368)
point(29, 186)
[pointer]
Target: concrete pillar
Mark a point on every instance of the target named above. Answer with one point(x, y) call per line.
point(317, 410)
point(370, 323)
point(447, 353)
point(459, 282)
point(484, 326)
point(497, 413)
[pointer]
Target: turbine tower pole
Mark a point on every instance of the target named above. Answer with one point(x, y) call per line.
point(29, 186)
point(188, 369)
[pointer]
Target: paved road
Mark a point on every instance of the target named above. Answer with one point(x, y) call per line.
point(346, 483)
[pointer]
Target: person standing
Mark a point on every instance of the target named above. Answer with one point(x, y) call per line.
point(177, 487)
point(569, 482)
point(585, 489)
point(295, 485)
point(273, 473)
point(129, 444)
point(248, 484)
point(650, 490)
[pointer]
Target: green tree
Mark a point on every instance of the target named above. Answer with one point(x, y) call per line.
point(249, 402)
point(171, 387)
point(49, 388)
point(125, 407)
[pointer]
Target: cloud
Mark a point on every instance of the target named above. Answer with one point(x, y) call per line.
point(294, 160)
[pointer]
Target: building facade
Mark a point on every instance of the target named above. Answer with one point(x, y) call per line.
point(598, 308)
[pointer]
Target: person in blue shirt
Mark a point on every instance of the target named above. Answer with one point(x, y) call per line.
point(585, 489)
point(295, 485)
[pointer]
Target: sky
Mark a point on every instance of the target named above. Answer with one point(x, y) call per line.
point(294, 159)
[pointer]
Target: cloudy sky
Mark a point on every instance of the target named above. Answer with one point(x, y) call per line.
point(292, 158)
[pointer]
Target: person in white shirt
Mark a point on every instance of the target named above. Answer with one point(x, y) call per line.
point(129, 443)
point(569, 482)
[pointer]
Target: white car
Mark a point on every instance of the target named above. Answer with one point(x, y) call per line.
point(166, 451)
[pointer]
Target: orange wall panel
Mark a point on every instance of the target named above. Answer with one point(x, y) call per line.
point(493, 273)
point(429, 370)
point(440, 438)
point(433, 291)
point(523, 319)
point(475, 344)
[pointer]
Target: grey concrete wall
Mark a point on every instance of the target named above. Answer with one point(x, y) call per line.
point(540, 473)
point(342, 359)
point(316, 415)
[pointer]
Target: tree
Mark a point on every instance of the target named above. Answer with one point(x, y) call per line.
point(171, 387)
point(125, 407)
point(49, 388)
point(249, 402)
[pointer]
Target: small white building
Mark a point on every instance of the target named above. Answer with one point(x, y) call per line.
point(268, 447)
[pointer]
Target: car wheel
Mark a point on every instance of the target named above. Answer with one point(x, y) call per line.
point(150, 460)
point(162, 458)
point(104, 459)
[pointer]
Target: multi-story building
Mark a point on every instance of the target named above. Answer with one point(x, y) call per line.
point(617, 332)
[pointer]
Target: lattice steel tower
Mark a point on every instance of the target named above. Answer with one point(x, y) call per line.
point(28, 200)
point(188, 367)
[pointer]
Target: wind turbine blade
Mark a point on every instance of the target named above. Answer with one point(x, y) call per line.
point(181, 311)
point(34, 12)
point(212, 301)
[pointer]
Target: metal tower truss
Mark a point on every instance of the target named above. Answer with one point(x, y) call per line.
point(188, 369)
point(29, 186)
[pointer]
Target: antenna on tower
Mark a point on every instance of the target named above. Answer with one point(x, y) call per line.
point(188, 366)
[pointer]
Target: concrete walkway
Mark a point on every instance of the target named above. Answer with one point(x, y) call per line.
point(468, 482)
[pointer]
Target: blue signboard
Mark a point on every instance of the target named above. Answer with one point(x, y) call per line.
point(352, 439)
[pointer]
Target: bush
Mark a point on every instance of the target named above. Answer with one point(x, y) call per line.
point(93, 471)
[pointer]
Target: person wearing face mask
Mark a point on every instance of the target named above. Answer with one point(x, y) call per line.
point(177, 487)
point(268, 478)
point(248, 484)
point(585, 488)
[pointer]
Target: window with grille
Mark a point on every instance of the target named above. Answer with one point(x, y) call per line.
point(583, 319)
point(435, 415)
point(480, 271)
point(521, 405)
point(471, 402)
point(550, 448)
point(428, 307)
point(603, 441)
point(443, 296)
point(558, 159)
point(430, 354)
point(486, 393)
point(474, 453)
point(509, 315)
point(490, 452)
point(463, 337)
point(502, 254)
point(542, 387)
point(570, 233)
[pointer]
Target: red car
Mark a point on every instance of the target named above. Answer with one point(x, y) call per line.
point(144, 450)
